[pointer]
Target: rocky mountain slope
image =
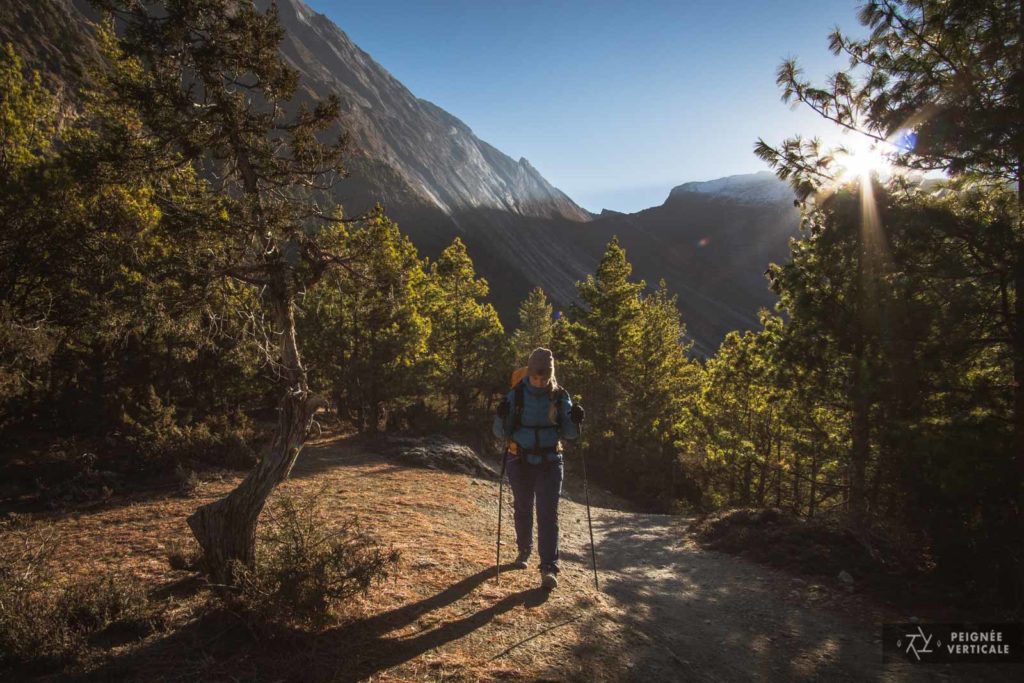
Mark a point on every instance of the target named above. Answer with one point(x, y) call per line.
point(435, 155)
point(710, 241)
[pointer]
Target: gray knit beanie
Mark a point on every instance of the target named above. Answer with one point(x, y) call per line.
point(541, 362)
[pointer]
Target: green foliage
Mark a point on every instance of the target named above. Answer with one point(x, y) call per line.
point(28, 116)
point(367, 334)
point(467, 341)
point(905, 315)
point(107, 327)
point(938, 78)
point(626, 355)
point(611, 307)
point(759, 438)
point(602, 329)
point(28, 119)
point(536, 327)
point(306, 567)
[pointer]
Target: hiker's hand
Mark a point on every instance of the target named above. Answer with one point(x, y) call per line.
point(502, 411)
point(577, 414)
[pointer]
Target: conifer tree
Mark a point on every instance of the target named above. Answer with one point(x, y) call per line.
point(28, 125)
point(536, 327)
point(605, 327)
point(660, 382)
point(612, 304)
point(96, 281)
point(212, 92)
point(467, 340)
point(369, 333)
point(943, 81)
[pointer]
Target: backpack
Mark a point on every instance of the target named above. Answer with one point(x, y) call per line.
point(517, 406)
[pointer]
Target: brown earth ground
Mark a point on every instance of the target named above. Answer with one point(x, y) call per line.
point(667, 610)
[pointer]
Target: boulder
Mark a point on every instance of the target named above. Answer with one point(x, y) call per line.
point(438, 452)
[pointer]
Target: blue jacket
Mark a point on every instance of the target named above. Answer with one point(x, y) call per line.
point(536, 404)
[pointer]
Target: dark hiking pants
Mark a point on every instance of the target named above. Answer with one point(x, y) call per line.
point(542, 483)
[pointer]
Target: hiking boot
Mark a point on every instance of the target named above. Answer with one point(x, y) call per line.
point(548, 580)
point(521, 559)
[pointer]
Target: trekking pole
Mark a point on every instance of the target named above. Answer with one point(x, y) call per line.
point(590, 525)
point(501, 484)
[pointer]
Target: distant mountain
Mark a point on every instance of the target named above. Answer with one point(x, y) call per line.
point(50, 36)
point(710, 241)
point(435, 155)
point(752, 188)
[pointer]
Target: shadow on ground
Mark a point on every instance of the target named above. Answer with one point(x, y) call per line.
point(221, 645)
point(702, 616)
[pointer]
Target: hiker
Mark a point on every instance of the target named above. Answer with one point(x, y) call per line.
point(536, 414)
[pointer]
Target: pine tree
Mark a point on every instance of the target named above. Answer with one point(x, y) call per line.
point(209, 84)
point(536, 327)
point(369, 332)
point(605, 327)
point(467, 339)
point(943, 81)
point(97, 278)
point(28, 125)
point(660, 382)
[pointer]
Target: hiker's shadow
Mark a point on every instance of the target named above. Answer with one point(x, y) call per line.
point(385, 653)
point(220, 641)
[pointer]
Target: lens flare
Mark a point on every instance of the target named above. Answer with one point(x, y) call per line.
point(905, 140)
point(862, 157)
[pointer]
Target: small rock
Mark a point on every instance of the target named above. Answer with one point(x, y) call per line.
point(845, 577)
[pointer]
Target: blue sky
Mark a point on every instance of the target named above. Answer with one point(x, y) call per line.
point(615, 103)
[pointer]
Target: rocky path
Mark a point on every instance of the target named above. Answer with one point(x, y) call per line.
point(707, 616)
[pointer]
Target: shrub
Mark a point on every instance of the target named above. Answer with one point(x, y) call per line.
point(184, 555)
point(187, 480)
point(86, 607)
point(160, 438)
point(43, 620)
point(306, 566)
point(78, 478)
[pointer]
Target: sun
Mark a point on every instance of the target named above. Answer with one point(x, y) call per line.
point(860, 157)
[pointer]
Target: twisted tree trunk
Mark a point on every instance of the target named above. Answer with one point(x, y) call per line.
point(226, 529)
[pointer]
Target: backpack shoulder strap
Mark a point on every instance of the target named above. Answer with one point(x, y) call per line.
point(557, 397)
point(517, 410)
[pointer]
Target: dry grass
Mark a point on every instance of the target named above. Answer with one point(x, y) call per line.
point(442, 617)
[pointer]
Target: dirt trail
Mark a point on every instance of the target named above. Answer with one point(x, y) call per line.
point(706, 616)
point(667, 610)
point(712, 617)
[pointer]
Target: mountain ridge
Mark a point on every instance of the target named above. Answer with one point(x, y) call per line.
point(709, 241)
point(444, 162)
